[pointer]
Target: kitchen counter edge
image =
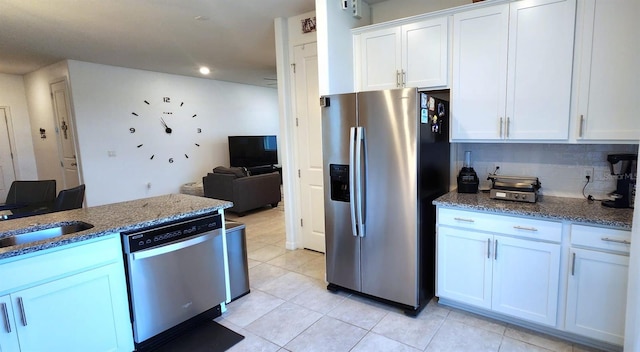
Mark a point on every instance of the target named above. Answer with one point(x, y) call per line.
point(108, 219)
point(548, 207)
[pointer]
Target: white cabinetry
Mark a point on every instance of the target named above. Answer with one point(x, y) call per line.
point(507, 264)
point(597, 284)
point(8, 335)
point(411, 55)
point(73, 299)
point(608, 53)
point(512, 67)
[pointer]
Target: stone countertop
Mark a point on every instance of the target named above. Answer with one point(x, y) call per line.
point(107, 219)
point(557, 208)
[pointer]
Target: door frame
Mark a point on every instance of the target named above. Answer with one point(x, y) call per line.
point(73, 131)
point(11, 136)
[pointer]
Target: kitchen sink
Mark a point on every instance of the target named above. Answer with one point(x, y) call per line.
point(44, 234)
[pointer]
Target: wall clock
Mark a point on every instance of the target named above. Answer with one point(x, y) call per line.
point(169, 125)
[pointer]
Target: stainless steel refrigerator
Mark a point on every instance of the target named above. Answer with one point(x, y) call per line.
point(386, 158)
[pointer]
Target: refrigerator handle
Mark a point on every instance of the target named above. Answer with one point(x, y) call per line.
point(360, 140)
point(352, 190)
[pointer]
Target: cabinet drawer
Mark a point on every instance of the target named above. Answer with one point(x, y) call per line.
point(67, 260)
point(503, 224)
point(601, 238)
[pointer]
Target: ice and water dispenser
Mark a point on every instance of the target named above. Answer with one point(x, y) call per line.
point(339, 177)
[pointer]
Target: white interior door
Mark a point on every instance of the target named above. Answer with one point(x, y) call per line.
point(65, 134)
point(309, 141)
point(7, 171)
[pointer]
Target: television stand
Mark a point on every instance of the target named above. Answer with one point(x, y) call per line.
point(265, 169)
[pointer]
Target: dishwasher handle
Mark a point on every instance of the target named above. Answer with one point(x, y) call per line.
point(153, 252)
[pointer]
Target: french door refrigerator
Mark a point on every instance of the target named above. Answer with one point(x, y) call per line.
point(386, 158)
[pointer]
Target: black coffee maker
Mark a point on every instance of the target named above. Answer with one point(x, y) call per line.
point(623, 167)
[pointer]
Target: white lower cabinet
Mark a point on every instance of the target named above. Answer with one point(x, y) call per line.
point(509, 275)
point(86, 310)
point(597, 286)
point(512, 265)
point(8, 335)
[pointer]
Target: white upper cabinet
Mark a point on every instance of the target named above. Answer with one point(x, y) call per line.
point(608, 53)
point(411, 55)
point(380, 58)
point(512, 71)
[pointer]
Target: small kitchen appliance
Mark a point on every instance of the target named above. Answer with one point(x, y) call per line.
point(468, 180)
point(623, 167)
point(515, 188)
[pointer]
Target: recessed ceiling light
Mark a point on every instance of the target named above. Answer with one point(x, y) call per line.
point(201, 18)
point(204, 70)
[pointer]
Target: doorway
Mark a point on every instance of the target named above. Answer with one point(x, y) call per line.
point(65, 134)
point(309, 146)
point(7, 148)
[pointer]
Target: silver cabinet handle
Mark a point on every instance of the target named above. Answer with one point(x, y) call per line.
point(397, 78)
point(488, 248)
point(507, 128)
point(525, 228)
point(580, 130)
point(463, 219)
point(23, 315)
point(573, 265)
point(5, 314)
point(607, 239)
point(404, 79)
point(495, 251)
point(500, 126)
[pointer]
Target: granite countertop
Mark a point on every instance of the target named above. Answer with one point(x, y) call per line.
point(558, 208)
point(107, 219)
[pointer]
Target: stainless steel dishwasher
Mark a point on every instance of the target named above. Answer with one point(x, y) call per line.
point(176, 277)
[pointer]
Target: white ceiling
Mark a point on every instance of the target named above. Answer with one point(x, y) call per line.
point(236, 38)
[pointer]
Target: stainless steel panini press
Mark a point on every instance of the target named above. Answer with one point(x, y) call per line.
point(516, 188)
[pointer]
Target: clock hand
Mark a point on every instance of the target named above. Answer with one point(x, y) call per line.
point(167, 129)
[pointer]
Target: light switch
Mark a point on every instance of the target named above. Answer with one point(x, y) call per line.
point(111, 153)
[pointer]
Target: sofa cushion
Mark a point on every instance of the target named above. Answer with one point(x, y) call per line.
point(237, 171)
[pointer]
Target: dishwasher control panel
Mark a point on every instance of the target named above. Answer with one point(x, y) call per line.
point(138, 240)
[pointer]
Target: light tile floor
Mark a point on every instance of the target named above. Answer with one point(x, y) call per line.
point(290, 309)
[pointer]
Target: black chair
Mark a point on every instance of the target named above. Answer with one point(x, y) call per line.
point(23, 193)
point(68, 199)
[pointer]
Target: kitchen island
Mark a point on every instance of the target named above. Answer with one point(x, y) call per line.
point(108, 219)
point(69, 292)
point(559, 266)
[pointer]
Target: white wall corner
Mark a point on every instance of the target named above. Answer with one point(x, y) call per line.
point(287, 140)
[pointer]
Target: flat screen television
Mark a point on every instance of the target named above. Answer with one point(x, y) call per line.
point(251, 151)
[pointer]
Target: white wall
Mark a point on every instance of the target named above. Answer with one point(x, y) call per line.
point(559, 167)
point(632, 338)
point(104, 98)
point(392, 10)
point(13, 96)
point(335, 46)
point(41, 116)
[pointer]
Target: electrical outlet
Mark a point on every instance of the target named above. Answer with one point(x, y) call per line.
point(588, 172)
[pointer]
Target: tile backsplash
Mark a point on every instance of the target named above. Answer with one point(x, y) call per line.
point(559, 167)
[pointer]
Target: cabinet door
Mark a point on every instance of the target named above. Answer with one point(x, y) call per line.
point(380, 59)
point(539, 65)
point(525, 279)
point(83, 312)
point(478, 89)
point(425, 49)
point(608, 70)
point(464, 266)
point(8, 336)
point(597, 295)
